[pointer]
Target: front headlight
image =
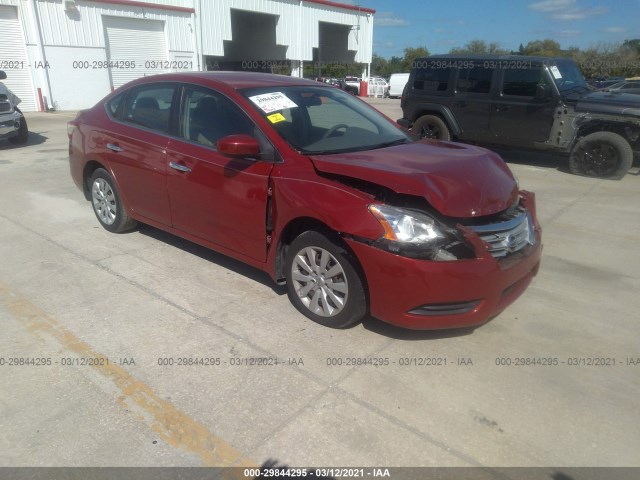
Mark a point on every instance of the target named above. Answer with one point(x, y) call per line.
point(406, 226)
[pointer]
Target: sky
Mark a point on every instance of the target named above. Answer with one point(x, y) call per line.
point(441, 25)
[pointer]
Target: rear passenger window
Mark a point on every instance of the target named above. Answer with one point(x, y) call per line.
point(432, 79)
point(150, 106)
point(474, 80)
point(522, 81)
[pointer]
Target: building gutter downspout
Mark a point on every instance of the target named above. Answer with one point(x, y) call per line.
point(50, 103)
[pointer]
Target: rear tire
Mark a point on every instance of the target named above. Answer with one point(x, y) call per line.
point(431, 127)
point(323, 281)
point(107, 203)
point(601, 155)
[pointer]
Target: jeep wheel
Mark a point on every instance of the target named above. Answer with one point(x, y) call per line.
point(601, 154)
point(431, 127)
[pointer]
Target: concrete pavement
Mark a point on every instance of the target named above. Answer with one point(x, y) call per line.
point(552, 381)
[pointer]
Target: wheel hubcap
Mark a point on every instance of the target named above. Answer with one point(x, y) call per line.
point(320, 281)
point(431, 132)
point(599, 159)
point(104, 201)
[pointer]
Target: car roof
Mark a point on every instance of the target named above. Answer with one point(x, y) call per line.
point(235, 80)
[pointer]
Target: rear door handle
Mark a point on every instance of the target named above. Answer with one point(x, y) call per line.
point(502, 108)
point(114, 148)
point(179, 167)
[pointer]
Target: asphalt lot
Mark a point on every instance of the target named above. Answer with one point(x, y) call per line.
point(71, 294)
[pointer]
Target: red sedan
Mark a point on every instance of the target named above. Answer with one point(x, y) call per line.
point(315, 187)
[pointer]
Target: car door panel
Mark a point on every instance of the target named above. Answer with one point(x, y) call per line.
point(138, 164)
point(517, 116)
point(219, 199)
point(215, 197)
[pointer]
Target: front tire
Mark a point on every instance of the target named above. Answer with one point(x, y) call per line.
point(323, 282)
point(602, 155)
point(107, 203)
point(431, 127)
point(23, 133)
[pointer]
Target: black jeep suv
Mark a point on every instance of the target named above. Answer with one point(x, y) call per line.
point(528, 102)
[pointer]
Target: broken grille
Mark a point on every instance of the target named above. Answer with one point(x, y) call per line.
point(511, 236)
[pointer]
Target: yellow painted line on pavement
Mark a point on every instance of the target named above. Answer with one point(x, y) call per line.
point(173, 426)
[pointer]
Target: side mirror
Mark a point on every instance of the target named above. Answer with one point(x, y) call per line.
point(543, 92)
point(2, 75)
point(238, 146)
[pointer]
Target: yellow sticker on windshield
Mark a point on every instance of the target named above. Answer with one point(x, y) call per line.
point(276, 117)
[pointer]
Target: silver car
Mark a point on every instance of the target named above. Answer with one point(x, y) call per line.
point(13, 125)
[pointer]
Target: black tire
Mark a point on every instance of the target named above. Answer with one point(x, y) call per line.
point(431, 127)
point(346, 276)
point(602, 155)
point(107, 203)
point(23, 133)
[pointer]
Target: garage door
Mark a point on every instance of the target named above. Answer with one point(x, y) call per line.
point(140, 42)
point(13, 58)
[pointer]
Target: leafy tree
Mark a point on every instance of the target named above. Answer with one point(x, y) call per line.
point(410, 54)
point(632, 45)
point(479, 47)
point(379, 65)
point(544, 48)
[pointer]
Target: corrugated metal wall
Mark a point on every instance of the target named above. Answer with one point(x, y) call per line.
point(85, 29)
point(297, 26)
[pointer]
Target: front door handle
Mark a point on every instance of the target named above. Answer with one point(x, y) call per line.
point(502, 108)
point(115, 148)
point(179, 167)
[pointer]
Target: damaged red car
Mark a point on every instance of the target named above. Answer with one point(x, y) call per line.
point(318, 189)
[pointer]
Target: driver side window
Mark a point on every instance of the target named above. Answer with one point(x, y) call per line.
point(209, 116)
point(522, 82)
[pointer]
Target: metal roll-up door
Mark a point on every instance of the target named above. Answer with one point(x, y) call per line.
point(14, 60)
point(140, 42)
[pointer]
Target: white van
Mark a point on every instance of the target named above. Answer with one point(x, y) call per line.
point(397, 83)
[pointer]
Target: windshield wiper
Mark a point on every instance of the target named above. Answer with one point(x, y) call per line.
point(398, 141)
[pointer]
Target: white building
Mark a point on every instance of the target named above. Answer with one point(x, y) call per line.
point(68, 54)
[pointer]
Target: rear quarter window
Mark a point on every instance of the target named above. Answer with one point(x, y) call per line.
point(113, 106)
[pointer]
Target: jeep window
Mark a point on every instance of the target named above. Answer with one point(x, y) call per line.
point(521, 82)
point(432, 79)
point(567, 75)
point(474, 80)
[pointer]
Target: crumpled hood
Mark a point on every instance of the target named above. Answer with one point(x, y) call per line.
point(457, 180)
point(611, 103)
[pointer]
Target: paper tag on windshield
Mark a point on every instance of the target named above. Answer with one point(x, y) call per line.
point(272, 102)
point(555, 72)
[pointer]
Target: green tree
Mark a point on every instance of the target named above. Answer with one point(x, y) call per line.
point(410, 54)
point(379, 65)
point(632, 46)
point(543, 48)
point(479, 47)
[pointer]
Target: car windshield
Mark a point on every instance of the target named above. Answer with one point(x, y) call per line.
point(324, 120)
point(567, 75)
